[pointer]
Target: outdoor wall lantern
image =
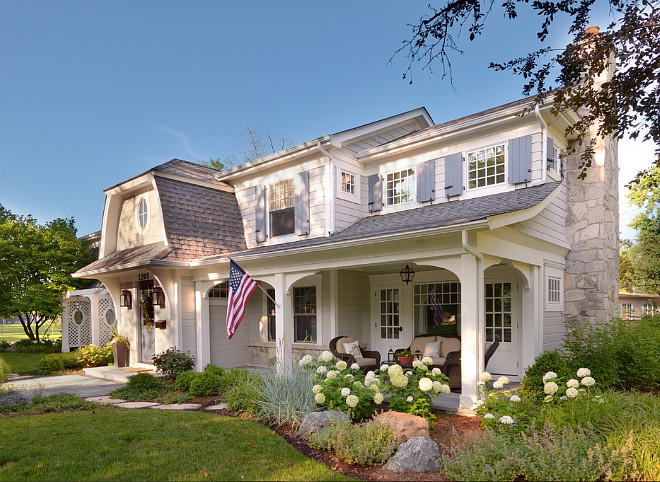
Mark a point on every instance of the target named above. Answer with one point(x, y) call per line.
point(407, 274)
point(159, 297)
point(390, 356)
point(418, 355)
point(126, 299)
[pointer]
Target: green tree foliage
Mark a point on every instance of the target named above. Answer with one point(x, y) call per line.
point(36, 262)
point(627, 272)
point(628, 103)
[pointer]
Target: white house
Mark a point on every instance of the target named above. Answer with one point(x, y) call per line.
point(485, 210)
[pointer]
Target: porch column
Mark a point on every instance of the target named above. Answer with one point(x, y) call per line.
point(94, 317)
point(65, 326)
point(471, 328)
point(334, 300)
point(283, 324)
point(202, 326)
point(531, 323)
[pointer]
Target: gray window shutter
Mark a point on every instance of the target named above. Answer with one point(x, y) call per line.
point(426, 181)
point(520, 159)
point(375, 193)
point(551, 150)
point(260, 213)
point(454, 174)
point(302, 203)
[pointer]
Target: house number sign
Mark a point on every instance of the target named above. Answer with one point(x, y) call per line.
point(143, 276)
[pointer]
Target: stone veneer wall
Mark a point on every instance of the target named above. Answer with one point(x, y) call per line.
point(260, 355)
point(591, 281)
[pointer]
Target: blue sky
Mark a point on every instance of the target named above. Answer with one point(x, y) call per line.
point(93, 93)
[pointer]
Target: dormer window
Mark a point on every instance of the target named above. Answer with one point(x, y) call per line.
point(400, 187)
point(486, 167)
point(281, 200)
point(347, 183)
point(143, 214)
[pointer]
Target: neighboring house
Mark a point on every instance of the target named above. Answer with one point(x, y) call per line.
point(89, 315)
point(637, 305)
point(485, 210)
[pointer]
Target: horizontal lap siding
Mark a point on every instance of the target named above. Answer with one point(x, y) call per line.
point(349, 311)
point(548, 225)
point(128, 235)
point(381, 137)
point(347, 212)
point(188, 316)
point(246, 202)
point(553, 330)
point(317, 202)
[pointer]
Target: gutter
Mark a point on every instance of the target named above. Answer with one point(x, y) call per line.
point(544, 141)
point(330, 194)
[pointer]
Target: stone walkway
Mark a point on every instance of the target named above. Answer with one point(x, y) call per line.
point(108, 400)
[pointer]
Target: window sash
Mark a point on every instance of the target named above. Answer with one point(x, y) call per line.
point(554, 290)
point(281, 195)
point(400, 187)
point(486, 167)
point(348, 182)
point(304, 314)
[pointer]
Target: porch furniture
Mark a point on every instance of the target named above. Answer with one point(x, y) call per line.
point(449, 351)
point(344, 348)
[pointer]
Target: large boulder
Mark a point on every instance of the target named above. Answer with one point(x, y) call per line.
point(404, 425)
point(419, 454)
point(315, 421)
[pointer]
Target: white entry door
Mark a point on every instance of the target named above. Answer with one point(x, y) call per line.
point(390, 328)
point(502, 320)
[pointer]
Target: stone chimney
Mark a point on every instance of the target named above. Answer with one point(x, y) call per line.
point(591, 280)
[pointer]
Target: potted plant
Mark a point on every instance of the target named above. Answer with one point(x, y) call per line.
point(120, 346)
point(405, 357)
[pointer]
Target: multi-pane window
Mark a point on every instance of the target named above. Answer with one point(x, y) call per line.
point(437, 308)
point(486, 167)
point(498, 312)
point(281, 200)
point(554, 290)
point(400, 187)
point(304, 314)
point(627, 311)
point(270, 313)
point(143, 213)
point(219, 291)
point(390, 323)
point(347, 182)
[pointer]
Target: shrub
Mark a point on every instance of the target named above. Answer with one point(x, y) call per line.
point(58, 402)
point(43, 346)
point(70, 360)
point(4, 371)
point(141, 381)
point(182, 382)
point(214, 370)
point(4, 344)
point(172, 362)
point(285, 398)
point(549, 361)
point(142, 386)
point(231, 377)
point(243, 397)
point(51, 363)
point(94, 355)
point(204, 384)
point(367, 443)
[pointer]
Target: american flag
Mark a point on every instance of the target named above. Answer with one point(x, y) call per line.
point(241, 287)
point(437, 308)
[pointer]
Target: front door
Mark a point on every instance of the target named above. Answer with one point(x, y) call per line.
point(147, 334)
point(389, 327)
point(502, 309)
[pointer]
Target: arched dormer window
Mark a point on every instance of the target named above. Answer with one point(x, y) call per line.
point(143, 214)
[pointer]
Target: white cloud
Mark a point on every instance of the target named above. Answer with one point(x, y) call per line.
point(185, 140)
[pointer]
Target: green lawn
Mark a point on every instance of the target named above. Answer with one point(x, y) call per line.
point(15, 332)
point(148, 444)
point(22, 363)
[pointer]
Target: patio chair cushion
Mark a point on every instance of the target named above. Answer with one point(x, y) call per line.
point(449, 345)
point(365, 362)
point(432, 349)
point(420, 342)
point(438, 360)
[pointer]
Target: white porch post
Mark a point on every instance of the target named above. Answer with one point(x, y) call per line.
point(334, 300)
point(471, 330)
point(94, 317)
point(202, 326)
point(65, 326)
point(531, 321)
point(283, 324)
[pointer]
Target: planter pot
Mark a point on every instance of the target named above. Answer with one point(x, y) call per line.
point(406, 360)
point(120, 352)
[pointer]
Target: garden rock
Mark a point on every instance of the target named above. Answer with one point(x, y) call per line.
point(419, 454)
point(13, 398)
point(404, 425)
point(315, 421)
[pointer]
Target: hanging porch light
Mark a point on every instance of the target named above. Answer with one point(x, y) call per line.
point(407, 274)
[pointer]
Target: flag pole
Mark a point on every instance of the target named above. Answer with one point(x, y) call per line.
point(262, 289)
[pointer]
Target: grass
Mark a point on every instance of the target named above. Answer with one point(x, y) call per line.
point(121, 444)
point(22, 363)
point(15, 332)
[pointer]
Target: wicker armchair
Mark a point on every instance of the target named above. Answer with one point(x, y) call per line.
point(370, 359)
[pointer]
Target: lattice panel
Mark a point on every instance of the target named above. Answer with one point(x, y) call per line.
point(107, 320)
point(79, 334)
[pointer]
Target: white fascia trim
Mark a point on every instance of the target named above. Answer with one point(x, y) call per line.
point(218, 187)
point(129, 266)
point(506, 219)
point(139, 182)
point(273, 159)
point(474, 225)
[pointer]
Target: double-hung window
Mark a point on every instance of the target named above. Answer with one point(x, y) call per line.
point(348, 183)
point(486, 167)
point(304, 314)
point(281, 200)
point(400, 187)
point(627, 311)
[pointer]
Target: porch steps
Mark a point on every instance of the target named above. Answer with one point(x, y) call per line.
point(116, 374)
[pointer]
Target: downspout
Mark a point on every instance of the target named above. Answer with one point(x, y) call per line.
point(330, 198)
point(480, 298)
point(544, 141)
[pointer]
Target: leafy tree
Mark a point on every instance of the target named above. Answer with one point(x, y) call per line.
point(627, 272)
point(36, 263)
point(628, 103)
